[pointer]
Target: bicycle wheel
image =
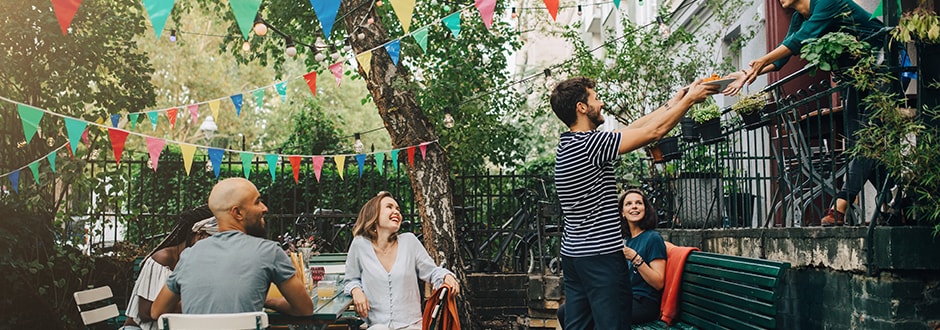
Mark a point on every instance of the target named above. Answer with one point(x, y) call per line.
point(528, 257)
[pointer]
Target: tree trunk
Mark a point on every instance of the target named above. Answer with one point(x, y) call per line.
point(407, 125)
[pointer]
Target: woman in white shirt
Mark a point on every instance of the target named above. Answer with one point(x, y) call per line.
point(383, 268)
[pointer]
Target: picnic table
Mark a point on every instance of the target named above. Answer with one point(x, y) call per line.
point(325, 312)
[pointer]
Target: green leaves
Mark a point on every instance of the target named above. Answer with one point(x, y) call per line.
point(919, 25)
point(831, 50)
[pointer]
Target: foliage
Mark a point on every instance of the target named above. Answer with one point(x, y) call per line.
point(313, 133)
point(750, 103)
point(705, 111)
point(832, 50)
point(921, 24)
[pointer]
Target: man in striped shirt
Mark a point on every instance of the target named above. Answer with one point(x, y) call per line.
point(597, 288)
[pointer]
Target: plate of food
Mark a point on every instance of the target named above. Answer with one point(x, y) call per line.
point(721, 83)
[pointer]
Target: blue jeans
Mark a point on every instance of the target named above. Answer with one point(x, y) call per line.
point(598, 291)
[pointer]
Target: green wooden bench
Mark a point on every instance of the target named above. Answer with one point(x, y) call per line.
point(727, 292)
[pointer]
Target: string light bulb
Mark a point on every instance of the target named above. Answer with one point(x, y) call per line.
point(172, 35)
point(448, 119)
point(579, 10)
point(319, 57)
point(378, 3)
point(260, 28)
point(335, 56)
point(246, 46)
point(358, 146)
point(514, 15)
point(291, 51)
point(370, 21)
point(663, 27)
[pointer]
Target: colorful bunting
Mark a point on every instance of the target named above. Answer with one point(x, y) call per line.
point(237, 102)
point(245, 12)
point(154, 117)
point(30, 116)
point(424, 150)
point(188, 151)
point(411, 156)
point(171, 115)
point(281, 89)
point(214, 106)
point(317, 166)
point(15, 180)
point(295, 167)
point(65, 11)
point(552, 6)
point(215, 157)
point(159, 11)
point(340, 161)
point(246, 162)
point(337, 70)
point(34, 167)
point(259, 98)
point(155, 146)
point(395, 158)
point(365, 61)
point(115, 120)
point(486, 8)
point(85, 137)
point(361, 159)
point(421, 37)
point(394, 49)
point(617, 3)
point(326, 13)
point(75, 128)
point(380, 161)
point(193, 112)
point(452, 22)
point(118, 138)
point(51, 158)
point(311, 79)
point(133, 118)
point(404, 9)
point(272, 164)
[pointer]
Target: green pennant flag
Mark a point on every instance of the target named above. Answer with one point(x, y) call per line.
point(245, 12)
point(380, 162)
point(159, 11)
point(52, 161)
point(30, 116)
point(281, 89)
point(394, 159)
point(879, 12)
point(259, 97)
point(34, 167)
point(452, 22)
point(133, 118)
point(617, 3)
point(247, 157)
point(272, 164)
point(154, 117)
point(75, 128)
point(421, 36)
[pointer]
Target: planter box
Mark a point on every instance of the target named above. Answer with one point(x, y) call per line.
point(753, 120)
point(670, 148)
point(711, 131)
point(689, 132)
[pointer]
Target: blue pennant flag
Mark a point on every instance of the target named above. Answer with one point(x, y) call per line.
point(215, 156)
point(394, 50)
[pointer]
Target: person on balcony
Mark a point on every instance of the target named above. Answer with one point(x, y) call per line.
point(383, 268)
point(596, 288)
point(813, 19)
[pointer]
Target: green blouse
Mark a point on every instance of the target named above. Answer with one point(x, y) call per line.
point(831, 16)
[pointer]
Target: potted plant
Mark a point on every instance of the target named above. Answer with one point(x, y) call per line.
point(922, 28)
point(666, 148)
point(748, 107)
point(833, 51)
point(689, 133)
point(708, 117)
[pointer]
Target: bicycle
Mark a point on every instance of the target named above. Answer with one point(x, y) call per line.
point(324, 236)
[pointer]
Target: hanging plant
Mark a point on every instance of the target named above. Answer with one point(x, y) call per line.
point(750, 103)
point(921, 24)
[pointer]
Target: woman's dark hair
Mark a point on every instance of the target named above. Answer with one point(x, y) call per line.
point(649, 217)
point(368, 219)
point(183, 231)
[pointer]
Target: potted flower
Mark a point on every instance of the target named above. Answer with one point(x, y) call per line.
point(748, 107)
point(708, 117)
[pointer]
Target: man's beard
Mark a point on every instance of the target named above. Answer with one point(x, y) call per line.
point(256, 229)
point(596, 118)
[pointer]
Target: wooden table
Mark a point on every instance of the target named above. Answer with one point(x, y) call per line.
point(325, 312)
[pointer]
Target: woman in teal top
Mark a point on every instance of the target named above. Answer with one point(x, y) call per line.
point(646, 250)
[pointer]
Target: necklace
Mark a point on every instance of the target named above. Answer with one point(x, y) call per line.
point(384, 251)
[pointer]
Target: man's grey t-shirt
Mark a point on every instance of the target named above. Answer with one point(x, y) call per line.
point(229, 272)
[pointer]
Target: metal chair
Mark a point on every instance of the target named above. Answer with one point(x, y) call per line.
point(227, 321)
point(100, 306)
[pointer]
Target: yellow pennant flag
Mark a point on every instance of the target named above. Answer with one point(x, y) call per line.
point(365, 61)
point(214, 106)
point(187, 150)
point(404, 9)
point(340, 165)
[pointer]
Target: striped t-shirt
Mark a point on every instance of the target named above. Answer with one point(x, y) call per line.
point(584, 179)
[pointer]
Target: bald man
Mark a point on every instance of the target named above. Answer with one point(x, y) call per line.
point(230, 272)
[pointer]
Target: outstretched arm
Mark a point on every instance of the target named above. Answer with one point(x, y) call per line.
point(759, 66)
point(656, 124)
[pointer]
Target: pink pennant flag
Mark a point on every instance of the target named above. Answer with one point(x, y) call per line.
point(155, 146)
point(118, 137)
point(311, 79)
point(411, 156)
point(317, 166)
point(171, 115)
point(295, 167)
point(337, 69)
point(193, 112)
point(486, 8)
point(424, 149)
point(85, 137)
point(65, 11)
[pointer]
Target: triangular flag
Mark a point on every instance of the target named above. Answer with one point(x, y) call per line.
point(486, 8)
point(617, 3)
point(215, 157)
point(317, 166)
point(115, 120)
point(171, 115)
point(133, 118)
point(15, 180)
point(311, 79)
point(404, 9)
point(65, 11)
point(154, 117)
point(118, 137)
point(421, 37)
point(281, 88)
point(879, 11)
point(380, 162)
point(272, 164)
point(394, 49)
point(247, 157)
point(34, 167)
point(52, 161)
point(188, 150)
point(85, 137)
point(159, 11)
point(340, 165)
point(295, 167)
point(337, 70)
point(245, 12)
point(552, 6)
point(155, 146)
point(30, 116)
point(326, 13)
point(193, 112)
point(365, 61)
point(361, 159)
point(259, 98)
point(214, 106)
point(424, 150)
point(411, 156)
point(74, 128)
point(394, 158)
point(237, 102)
point(452, 22)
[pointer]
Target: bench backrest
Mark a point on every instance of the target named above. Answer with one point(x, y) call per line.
point(723, 291)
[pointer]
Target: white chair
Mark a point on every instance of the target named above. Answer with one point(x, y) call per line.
point(97, 295)
point(228, 321)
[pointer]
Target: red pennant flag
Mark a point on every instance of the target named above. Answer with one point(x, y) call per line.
point(85, 137)
point(118, 137)
point(295, 166)
point(171, 115)
point(65, 11)
point(411, 156)
point(552, 6)
point(311, 78)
